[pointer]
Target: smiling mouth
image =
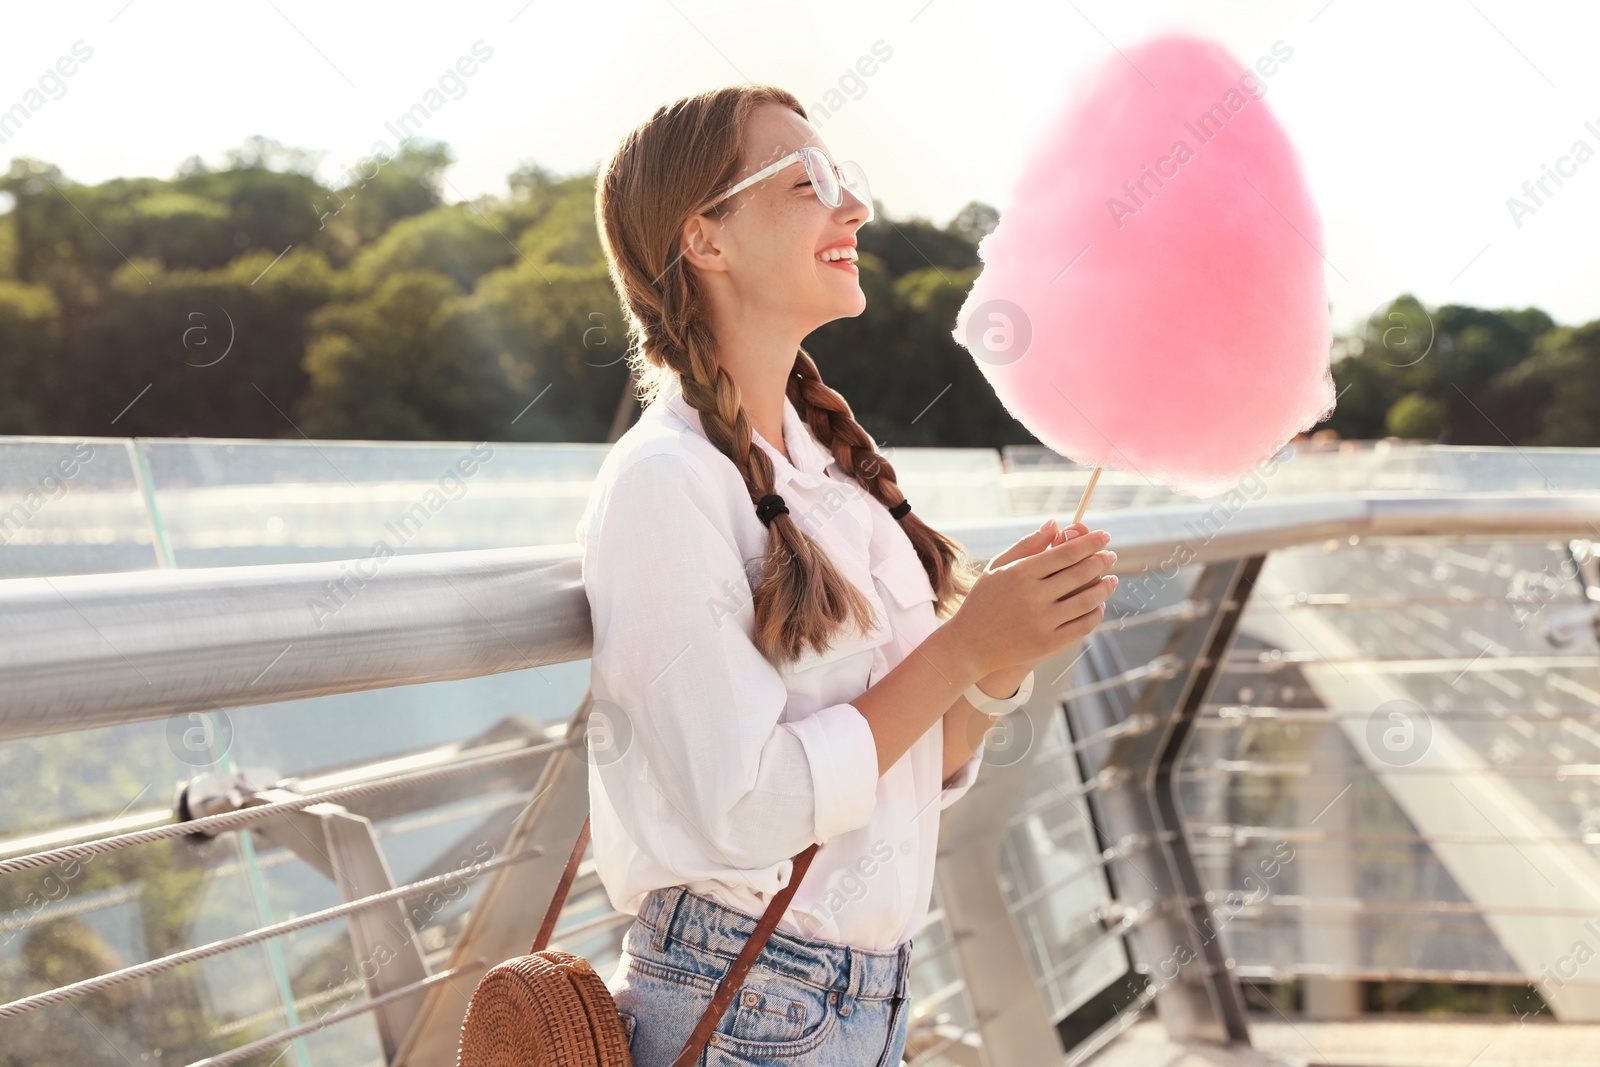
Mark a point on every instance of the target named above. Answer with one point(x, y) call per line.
point(842, 257)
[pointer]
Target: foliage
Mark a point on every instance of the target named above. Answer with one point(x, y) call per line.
point(1415, 415)
point(375, 310)
point(1466, 376)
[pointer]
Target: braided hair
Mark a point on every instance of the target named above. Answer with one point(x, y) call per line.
point(660, 174)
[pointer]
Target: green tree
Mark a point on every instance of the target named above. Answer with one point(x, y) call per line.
point(1560, 385)
point(1453, 355)
point(457, 241)
point(30, 327)
point(201, 352)
point(380, 191)
point(913, 244)
point(557, 336)
point(1416, 416)
point(393, 365)
point(974, 222)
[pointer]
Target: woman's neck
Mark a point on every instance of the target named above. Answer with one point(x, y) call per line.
point(759, 360)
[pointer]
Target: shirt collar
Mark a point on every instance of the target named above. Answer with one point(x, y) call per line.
point(808, 460)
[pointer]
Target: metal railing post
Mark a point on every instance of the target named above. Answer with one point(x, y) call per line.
point(506, 917)
point(1008, 1006)
point(1178, 949)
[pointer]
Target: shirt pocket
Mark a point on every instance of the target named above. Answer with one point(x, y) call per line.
point(903, 575)
point(848, 642)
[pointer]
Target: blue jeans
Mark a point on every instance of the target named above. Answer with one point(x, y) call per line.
point(803, 1002)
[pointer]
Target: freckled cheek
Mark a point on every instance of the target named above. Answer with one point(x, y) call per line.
point(789, 236)
point(801, 251)
point(802, 226)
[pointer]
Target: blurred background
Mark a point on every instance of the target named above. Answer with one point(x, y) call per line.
point(267, 269)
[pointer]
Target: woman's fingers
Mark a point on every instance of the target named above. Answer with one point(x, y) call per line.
point(1039, 539)
point(1077, 629)
point(1069, 580)
point(1085, 601)
point(1057, 557)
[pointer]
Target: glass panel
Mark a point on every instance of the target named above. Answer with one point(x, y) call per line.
point(1039, 480)
point(71, 506)
point(1109, 677)
point(1408, 721)
point(346, 729)
point(76, 920)
point(1051, 874)
point(225, 503)
point(63, 780)
point(942, 1026)
point(1266, 767)
point(1368, 943)
point(423, 830)
point(950, 484)
point(353, 1041)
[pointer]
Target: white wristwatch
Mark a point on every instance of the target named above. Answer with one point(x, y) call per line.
point(1000, 705)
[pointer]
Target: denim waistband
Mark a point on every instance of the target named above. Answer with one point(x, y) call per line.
point(675, 914)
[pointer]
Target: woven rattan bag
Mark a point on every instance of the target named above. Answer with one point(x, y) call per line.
point(551, 1009)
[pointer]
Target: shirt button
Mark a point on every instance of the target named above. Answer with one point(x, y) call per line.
point(905, 847)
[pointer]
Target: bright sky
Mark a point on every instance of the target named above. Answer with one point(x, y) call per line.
point(1416, 119)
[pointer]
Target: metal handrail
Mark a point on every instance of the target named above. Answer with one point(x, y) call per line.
point(85, 651)
point(243, 817)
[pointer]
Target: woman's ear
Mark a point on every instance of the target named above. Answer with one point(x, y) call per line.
point(701, 243)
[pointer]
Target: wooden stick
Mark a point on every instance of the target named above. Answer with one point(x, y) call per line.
point(1088, 490)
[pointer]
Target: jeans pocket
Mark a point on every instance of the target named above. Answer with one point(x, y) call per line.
point(770, 1009)
point(776, 1018)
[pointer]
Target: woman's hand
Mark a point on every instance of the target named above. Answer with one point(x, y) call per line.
point(1033, 600)
point(1004, 682)
point(964, 732)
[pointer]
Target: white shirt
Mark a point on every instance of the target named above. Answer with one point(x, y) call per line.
point(716, 767)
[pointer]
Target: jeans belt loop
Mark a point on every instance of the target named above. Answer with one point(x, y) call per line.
point(853, 982)
point(666, 915)
point(902, 976)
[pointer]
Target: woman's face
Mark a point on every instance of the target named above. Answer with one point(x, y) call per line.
point(772, 233)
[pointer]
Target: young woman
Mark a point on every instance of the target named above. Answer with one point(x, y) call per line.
point(781, 647)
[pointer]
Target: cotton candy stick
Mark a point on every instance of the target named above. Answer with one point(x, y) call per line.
point(1088, 491)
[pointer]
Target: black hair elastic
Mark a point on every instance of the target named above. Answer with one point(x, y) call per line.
point(899, 510)
point(770, 507)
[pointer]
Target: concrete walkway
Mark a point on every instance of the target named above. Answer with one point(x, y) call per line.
point(1369, 1043)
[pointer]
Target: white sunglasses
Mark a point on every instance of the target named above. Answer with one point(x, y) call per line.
point(827, 180)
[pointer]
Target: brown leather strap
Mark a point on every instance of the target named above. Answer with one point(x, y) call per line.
point(747, 956)
point(552, 913)
point(731, 981)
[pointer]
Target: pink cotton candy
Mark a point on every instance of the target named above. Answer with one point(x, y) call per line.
point(1183, 335)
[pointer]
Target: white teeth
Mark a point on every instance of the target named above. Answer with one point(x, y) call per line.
point(832, 255)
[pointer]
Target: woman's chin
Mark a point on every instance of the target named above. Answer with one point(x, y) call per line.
point(844, 309)
point(841, 300)
point(851, 302)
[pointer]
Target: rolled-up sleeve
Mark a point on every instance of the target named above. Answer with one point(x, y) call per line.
point(707, 757)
